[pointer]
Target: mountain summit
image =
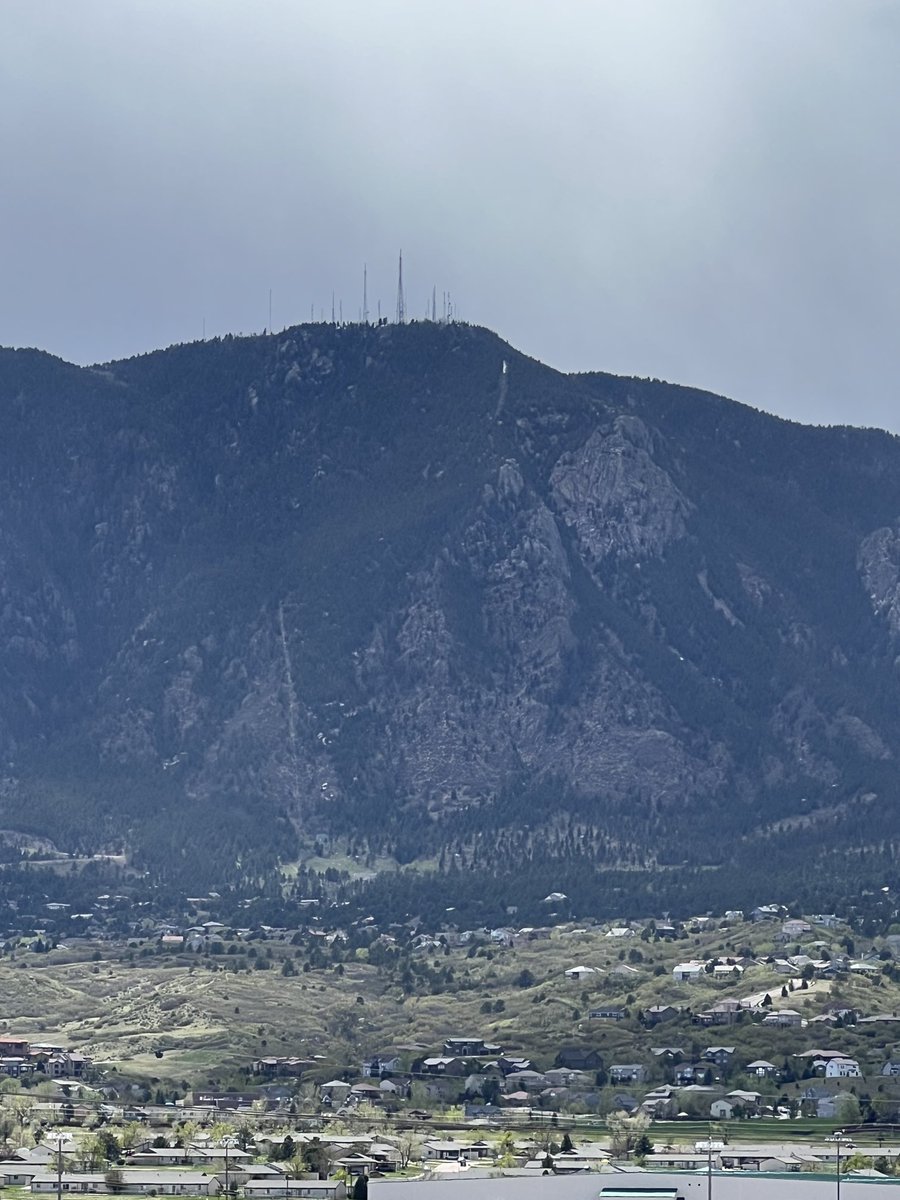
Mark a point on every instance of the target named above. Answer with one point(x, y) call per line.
point(407, 586)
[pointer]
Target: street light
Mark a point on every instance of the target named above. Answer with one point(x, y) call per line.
point(838, 1139)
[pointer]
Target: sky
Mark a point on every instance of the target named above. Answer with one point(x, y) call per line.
point(704, 191)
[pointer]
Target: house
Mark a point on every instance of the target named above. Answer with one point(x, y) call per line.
point(725, 1012)
point(658, 1107)
point(727, 971)
point(692, 1073)
point(295, 1189)
point(529, 1081)
point(795, 928)
point(829, 920)
point(761, 1069)
point(607, 1013)
point(890, 1068)
point(441, 1065)
point(656, 1014)
point(745, 1100)
point(842, 1068)
point(138, 1183)
point(273, 1066)
point(669, 1054)
point(688, 972)
point(626, 1073)
point(783, 1017)
point(766, 912)
point(565, 1077)
point(444, 1151)
point(579, 973)
point(818, 1101)
point(722, 1110)
point(720, 1055)
point(456, 1047)
point(381, 1064)
point(579, 1058)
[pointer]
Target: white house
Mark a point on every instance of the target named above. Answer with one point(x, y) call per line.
point(688, 972)
point(578, 973)
point(842, 1068)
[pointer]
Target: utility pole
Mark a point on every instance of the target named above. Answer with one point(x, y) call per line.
point(58, 1141)
point(709, 1146)
point(365, 311)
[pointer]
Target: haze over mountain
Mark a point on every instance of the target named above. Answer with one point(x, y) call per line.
point(408, 585)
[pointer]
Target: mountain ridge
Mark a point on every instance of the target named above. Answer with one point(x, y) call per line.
point(405, 585)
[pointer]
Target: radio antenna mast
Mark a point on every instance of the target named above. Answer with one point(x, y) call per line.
point(401, 304)
point(365, 312)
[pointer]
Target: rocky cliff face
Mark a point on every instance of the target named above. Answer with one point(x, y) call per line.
point(388, 580)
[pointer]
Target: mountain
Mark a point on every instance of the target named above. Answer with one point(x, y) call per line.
point(408, 587)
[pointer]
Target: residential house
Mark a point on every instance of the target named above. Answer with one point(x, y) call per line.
point(746, 1101)
point(720, 1055)
point(381, 1064)
point(829, 920)
point(761, 1069)
point(627, 1073)
point(725, 1012)
point(795, 928)
point(766, 912)
point(667, 1054)
point(295, 1189)
point(722, 1109)
point(577, 974)
point(842, 1068)
point(579, 1058)
point(607, 1013)
point(439, 1150)
point(783, 1017)
point(273, 1066)
point(692, 1073)
point(728, 971)
point(136, 1183)
point(565, 1077)
point(688, 972)
point(441, 1064)
point(656, 1014)
point(470, 1046)
point(529, 1081)
point(817, 1101)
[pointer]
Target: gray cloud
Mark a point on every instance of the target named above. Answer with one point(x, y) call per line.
point(705, 191)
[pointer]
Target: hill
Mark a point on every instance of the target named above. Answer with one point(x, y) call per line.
point(405, 591)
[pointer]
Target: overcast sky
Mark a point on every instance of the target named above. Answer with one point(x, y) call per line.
point(706, 191)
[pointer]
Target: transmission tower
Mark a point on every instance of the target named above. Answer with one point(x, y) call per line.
point(401, 303)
